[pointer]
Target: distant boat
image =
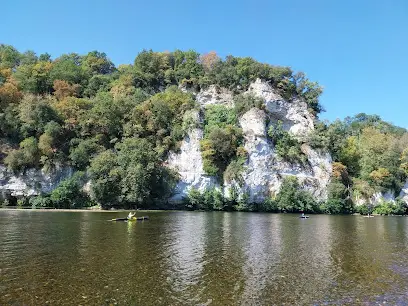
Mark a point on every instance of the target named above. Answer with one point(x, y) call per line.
point(304, 217)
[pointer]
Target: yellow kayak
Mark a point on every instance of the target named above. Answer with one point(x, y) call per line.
point(132, 219)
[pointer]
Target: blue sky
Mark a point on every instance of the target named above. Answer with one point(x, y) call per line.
point(358, 50)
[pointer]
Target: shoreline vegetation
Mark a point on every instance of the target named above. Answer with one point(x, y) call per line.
point(115, 126)
point(90, 209)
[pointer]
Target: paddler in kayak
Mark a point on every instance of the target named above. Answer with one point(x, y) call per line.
point(131, 215)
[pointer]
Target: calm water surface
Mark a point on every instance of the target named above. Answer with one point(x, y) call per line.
point(201, 258)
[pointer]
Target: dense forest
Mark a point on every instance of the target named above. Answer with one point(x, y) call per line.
point(116, 126)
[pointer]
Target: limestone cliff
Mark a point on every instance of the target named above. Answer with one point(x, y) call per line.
point(264, 170)
point(189, 165)
point(31, 182)
point(404, 192)
point(381, 197)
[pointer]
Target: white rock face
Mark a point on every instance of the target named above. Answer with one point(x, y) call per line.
point(378, 197)
point(260, 177)
point(294, 115)
point(264, 172)
point(215, 95)
point(32, 182)
point(404, 192)
point(189, 164)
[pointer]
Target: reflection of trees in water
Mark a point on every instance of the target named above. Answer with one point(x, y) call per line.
point(302, 273)
point(183, 257)
point(360, 258)
point(222, 278)
point(263, 248)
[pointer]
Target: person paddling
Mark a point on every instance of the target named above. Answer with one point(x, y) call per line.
point(131, 215)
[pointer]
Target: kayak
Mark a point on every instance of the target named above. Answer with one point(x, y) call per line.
point(304, 217)
point(132, 219)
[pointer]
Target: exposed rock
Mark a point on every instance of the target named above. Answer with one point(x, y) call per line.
point(404, 192)
point(31, 182)
point(264, 172)
point(260, 177)
point(379, 197)
point(294, 114)
point(215, 95)
point(189, 164)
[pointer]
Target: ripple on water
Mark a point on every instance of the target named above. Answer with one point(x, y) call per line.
point(201, 259)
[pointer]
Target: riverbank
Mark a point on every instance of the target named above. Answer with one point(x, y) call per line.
point(74, 210)
point(98, 209)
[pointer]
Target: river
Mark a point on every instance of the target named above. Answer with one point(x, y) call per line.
point(201, 258)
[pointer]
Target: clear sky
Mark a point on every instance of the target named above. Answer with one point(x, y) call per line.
point(356, 49)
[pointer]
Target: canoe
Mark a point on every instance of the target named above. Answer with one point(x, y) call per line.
point(304, 217)
point(132, 219)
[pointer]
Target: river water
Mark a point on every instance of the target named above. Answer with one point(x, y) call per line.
point(201, 258)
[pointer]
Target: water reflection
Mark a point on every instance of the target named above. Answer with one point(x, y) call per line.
point(262, 251)
point(184, 256)
point(216, 258)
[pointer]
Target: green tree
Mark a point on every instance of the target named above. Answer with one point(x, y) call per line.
point(82, 151)
point(35, 113)
point(144, 180)
point(97, 63)
point(219, 148)
point(69, 193)
point(9, 56)
point(106, 176)
point(291, 198)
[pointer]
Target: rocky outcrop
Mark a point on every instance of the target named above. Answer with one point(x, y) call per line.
point(294, 114)
point(383, 197)
point(260, 178)
point(264, 171)
point(189, 165)
point(31, 182)
point(215, 95)
point(379, 197)
point(404, 193)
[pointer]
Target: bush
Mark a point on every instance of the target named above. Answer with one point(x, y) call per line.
point(291, 198)
point(243, 203)
point(233, 172)
point(390, 208)
point(194, 199)
point(219, 147)
point(27, 156)
point(269, 205)
point(40, 201)
point(211, 199)
point(69, 193)
point(286, 146)
point(218, 116)
point(339, 201)
point(245, 102)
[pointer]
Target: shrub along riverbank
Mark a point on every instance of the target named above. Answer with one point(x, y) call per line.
point(290, 199)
